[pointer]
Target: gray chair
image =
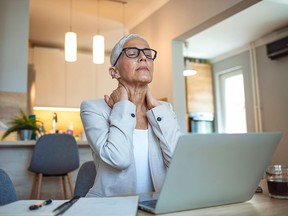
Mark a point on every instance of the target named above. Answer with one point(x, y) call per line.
point(85, 178)
point(54, 155)
point(7, 190)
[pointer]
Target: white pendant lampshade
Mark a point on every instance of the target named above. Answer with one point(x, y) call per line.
point(98, 49)
point(70, 47)
point(189, 71)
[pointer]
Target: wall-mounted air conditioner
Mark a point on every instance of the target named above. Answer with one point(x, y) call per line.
point(277, 49)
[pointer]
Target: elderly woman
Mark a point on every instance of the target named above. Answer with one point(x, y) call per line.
point(132, 135)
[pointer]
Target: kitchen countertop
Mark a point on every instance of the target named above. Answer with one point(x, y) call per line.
point(31, 143)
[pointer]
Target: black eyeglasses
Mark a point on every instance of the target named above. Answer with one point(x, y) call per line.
point(133, 52)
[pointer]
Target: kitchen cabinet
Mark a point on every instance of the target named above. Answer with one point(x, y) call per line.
point(67, 84)
point(50, 77)
point(199, 89)
point(200, 102)
point(80, 80)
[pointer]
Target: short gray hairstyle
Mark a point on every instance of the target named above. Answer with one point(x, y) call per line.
point(117, 49)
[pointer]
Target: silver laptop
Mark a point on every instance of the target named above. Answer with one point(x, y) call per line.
point(213, 169)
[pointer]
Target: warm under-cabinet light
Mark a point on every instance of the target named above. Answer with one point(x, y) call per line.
point(70, 47)
point(57, 109)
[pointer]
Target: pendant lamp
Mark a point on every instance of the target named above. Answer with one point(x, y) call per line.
point(70, 42)
point(70, 47)
point(189, 71)
point(98, 43)
point(98, 49)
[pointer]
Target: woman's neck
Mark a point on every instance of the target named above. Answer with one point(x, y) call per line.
point(137, 95)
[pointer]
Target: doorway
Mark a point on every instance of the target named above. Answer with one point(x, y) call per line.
point(230, 93)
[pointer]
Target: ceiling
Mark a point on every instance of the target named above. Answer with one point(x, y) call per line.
point(239, 30)
point(50, 19)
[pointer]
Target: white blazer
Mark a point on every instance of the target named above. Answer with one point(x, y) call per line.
point(110, 136)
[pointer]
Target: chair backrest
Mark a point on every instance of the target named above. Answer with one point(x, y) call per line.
point(55, 154)
point(85, 178)
point(7, 190)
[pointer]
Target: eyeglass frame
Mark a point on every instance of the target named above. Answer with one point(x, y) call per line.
point(139, 50)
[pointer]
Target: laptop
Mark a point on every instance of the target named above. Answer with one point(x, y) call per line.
point(213, 169)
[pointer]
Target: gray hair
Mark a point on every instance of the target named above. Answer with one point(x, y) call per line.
point(117, 49)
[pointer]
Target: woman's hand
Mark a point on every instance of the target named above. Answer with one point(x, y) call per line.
point(120, 93)
point(150, 100)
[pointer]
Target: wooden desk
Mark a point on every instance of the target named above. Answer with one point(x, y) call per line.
point(260, 204)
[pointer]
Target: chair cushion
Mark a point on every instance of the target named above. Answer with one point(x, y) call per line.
point(7, 190)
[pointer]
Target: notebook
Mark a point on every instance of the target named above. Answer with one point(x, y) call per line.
point(213, 169)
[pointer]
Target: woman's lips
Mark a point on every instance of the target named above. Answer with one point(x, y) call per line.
point(142, 68)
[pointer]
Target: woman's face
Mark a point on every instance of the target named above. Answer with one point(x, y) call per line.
point(139, 70)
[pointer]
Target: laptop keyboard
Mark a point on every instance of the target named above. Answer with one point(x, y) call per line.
point(150, 203)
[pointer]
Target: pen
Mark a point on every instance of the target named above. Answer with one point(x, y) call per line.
point(38, 205)
point(66, 205)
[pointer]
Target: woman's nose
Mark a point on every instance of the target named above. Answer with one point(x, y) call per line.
point(142, 56)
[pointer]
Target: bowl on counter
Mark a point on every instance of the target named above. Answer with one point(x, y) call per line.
point(277, 181)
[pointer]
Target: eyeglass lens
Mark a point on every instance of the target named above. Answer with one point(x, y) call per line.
point(134, 52)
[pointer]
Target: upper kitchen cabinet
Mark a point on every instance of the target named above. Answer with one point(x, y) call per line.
point(67, 84)
point(50, 77)
point(80, 80)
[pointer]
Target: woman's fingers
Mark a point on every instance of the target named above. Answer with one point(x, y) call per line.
point(151, 101)
point(106, 98)
point(109, 101)
point(120, 93)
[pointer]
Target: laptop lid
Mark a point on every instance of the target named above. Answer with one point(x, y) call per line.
point(215, 169)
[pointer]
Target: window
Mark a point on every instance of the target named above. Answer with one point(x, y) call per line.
point(231, 110)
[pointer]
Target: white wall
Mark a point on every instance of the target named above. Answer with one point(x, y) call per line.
point(273, 78)
point(273, 88)
point(14, 28)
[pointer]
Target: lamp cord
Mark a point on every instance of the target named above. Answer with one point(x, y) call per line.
point(98, 17)
point(70, 15)
point(123, 10)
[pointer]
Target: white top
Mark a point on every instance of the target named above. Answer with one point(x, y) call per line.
point(140, 143)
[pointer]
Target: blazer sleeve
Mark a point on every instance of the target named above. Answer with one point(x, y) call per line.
point(110, 131)
point(165, 125)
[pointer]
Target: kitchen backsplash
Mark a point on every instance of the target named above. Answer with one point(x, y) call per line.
point(64, 120)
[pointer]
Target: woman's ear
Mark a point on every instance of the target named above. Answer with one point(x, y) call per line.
point(114, 73)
